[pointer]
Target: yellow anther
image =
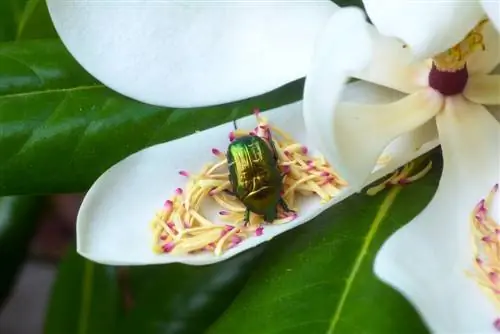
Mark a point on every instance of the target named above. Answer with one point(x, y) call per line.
point(455, 58)
point(400, 177)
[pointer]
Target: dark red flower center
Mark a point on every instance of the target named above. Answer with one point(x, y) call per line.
point(448, 83)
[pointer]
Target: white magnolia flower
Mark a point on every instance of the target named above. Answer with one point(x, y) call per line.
point(427, 26)
point(459, 89)
point(202, 53)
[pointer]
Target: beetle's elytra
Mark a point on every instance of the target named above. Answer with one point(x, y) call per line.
point(255, 177)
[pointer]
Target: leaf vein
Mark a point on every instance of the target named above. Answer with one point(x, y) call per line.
point(379, 217)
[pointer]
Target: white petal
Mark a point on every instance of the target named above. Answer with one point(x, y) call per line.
point(392, 65)
point(113, 222)
point(353, 136)
point(426, 260)
point(492, 8)
point(364, 92)
point(484, 62)
point(483, 89)
point(428, 27)
point(191, 54)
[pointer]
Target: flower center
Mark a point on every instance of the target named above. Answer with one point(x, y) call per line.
point(449, 69)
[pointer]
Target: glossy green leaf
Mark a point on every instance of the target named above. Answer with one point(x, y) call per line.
point(85, 298)
point(61, 130)
point(25, 19)
point(180, 299)
point(319, 279)
point(18, 217)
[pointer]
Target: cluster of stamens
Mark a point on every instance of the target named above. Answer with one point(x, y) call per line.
point(486, 248)
point(455, 58)
point(182, 226)
point(400, 177)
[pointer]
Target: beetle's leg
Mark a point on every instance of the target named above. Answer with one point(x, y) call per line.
point(273, 147)
point(285, 206)
point(247, 217)
point(271, 216)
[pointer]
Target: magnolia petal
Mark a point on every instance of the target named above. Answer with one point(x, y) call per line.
point(392, 65)
point(113, 221)
point(492, 8)
point(355, 135)
point(483, 89)
point(426, 260)
point(483, 62)
point(182, 54)
point(367, 93)
point(427, 27)
point(331, 66)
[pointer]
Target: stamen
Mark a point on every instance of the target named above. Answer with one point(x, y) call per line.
point(400, 178)
point(486, 250)
point(181, 227)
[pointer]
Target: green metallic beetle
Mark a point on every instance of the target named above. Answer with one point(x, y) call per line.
point(255, 176)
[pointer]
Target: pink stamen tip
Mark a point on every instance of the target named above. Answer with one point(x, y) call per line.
point(486, 239)
point(256, 112)
point(236, 240)
point(211, 192)
point(163, 237)
point(305, 149)
point(481, 204)
point(168, 204)
point(252, 133)
point(216, 151)
point(170, 224)
point(184, 173)
point(286, 169)
point(228, 228)
point(493, 277)
point(403, 181)
point(310, 162)
point(178, 191)
point(232, 136)
point(479, 261)
point(286, 152)
point(325, 174)
point(263, 127)
point(167, 248)
point(496, 324)
point(259, 231)
point(223, 213)
point(309, 168)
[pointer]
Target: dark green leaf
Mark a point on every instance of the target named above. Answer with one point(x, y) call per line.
point(85, 298)
point(180, 299)
point(25, 19)
point(10, 15)
point(35, 23)
point(318, 278)
point(39, 69)
point(18, 217)
point(61, 130)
